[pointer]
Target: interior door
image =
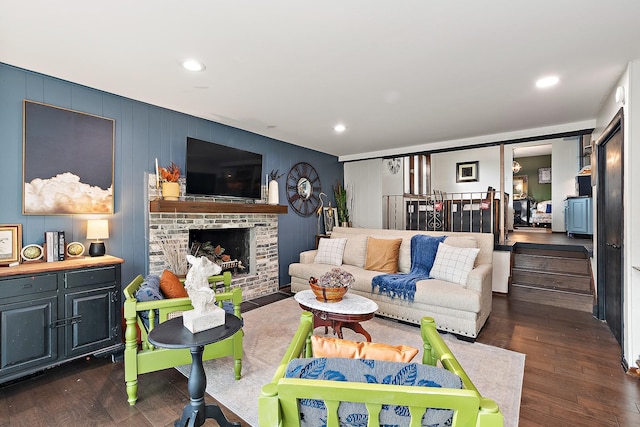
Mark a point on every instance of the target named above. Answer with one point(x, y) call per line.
point(610, 232)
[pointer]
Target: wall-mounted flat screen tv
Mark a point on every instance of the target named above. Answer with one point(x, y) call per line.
point(218, 170)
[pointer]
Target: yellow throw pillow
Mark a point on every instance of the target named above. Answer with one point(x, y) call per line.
point(171, 286)
point(336, 347)
point(382, 255)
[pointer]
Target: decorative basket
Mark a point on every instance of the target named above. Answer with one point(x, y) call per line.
point(324, 294)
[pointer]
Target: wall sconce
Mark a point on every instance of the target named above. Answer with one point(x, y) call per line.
point(97, 229)
point(515, 167)
point(620, 95)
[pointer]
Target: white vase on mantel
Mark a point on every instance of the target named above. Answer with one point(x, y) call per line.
point(273, 192)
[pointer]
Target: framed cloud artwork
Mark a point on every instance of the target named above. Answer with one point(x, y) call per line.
point(67, 161)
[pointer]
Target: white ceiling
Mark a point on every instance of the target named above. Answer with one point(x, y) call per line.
point(402, 76)
point(520, 151)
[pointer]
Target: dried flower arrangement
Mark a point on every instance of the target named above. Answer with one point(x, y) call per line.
point(336, 278)
point(174, 252)
point(170, 173)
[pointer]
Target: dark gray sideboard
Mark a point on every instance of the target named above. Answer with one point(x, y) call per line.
point(52, 312)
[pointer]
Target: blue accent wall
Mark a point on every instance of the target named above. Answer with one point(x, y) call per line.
point(143, 133)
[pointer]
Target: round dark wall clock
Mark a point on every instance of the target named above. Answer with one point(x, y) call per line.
point(303, 189)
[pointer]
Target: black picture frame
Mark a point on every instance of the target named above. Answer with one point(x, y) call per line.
point(67, 161)
point(330, 215)
point(467, 171)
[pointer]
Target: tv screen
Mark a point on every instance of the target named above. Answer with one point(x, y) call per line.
point(217, 170)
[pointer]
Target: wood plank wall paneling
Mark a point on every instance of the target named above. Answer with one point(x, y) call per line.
point(143, 132)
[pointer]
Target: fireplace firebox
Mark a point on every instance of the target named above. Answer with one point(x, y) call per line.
point(234, 246)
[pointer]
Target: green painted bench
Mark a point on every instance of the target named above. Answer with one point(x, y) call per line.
point(278, 401)
point(143, 357)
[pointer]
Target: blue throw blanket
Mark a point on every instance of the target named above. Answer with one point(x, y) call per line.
point(423, 253)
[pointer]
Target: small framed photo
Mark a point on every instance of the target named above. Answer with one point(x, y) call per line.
point(467, 172)
point(544, 176)
point(10, 243)
point(330, 215)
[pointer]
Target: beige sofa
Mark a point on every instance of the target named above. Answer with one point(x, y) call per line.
point(459, 309)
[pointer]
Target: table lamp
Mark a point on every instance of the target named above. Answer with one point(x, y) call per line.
point(97, 229)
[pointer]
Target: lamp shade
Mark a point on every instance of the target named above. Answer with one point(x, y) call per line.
point(97, 229)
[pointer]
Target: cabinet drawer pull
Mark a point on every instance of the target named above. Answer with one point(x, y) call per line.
point(61, 323)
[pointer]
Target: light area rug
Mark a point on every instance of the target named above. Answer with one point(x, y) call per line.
point(496, 372)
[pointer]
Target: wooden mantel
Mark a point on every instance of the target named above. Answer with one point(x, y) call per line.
point(182, 206)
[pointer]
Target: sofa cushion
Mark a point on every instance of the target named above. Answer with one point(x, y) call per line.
point(446, 296)
point(313, 411)
point(337, 347)
point(330, 251)
point(382, 255)
point(453, 264)
point(462, 242)
point(355, 251)
point(171, 286)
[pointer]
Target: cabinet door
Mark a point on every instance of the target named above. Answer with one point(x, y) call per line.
point(578, 216)
point(90, 320)
point(27, 340)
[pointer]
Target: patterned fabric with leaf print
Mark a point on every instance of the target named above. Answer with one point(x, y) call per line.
point(313, 412)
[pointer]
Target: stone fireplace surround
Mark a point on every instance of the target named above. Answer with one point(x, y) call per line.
point(176, 218)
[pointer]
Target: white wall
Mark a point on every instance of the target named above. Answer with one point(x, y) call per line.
point(393, 209)
point(565, 165)
point(630, 80)
point(363, 179)
point(443, 170)
point(501, 270)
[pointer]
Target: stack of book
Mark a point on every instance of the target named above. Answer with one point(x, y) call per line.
point(55, 245)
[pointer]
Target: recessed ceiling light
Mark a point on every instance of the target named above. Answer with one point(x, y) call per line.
point(547, 81)
point(193, 65)
point(340, 128)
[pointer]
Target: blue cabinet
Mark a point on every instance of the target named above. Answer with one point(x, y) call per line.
point(578, 215)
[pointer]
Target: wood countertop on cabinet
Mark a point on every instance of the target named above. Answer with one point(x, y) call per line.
point(35, 267)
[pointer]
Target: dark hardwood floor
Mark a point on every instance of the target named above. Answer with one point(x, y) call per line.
point(572, 377)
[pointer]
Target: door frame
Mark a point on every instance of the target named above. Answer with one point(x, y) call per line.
point(612, 127)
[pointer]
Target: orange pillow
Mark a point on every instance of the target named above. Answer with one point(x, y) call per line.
point(171, 286)
point(336, 347)
point(382, 255)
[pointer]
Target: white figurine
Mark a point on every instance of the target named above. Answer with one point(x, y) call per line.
point(205, 314)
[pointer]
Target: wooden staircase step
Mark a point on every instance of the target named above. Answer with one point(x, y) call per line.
point(551, 251)
point(554, 298)
point(549, 280)
point(554, 276)
point(569, 265)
